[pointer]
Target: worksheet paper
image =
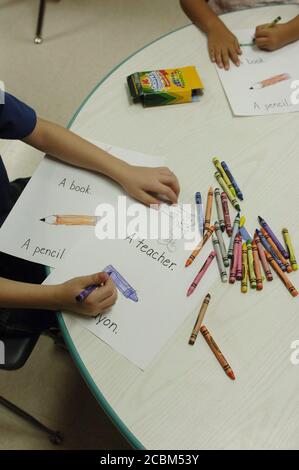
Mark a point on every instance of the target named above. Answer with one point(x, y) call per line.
point(58, 188)
point(263, 83)
point(138, 329)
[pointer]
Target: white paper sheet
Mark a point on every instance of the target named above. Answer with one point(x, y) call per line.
point(245, 85)
point(139, 330)
point(59, 188)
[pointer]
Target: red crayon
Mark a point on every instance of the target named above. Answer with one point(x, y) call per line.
point(265, 264)
point(201, 273)
point(227, 221)
point(234, 262)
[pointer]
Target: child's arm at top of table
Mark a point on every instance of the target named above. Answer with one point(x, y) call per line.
point(277, 36)
point(223, 46)
point(139, 182)
point(60, 297)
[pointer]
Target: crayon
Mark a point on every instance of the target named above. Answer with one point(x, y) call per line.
point(219, 259)
point(252, 278)
point(71, 219)
point(198, 202)
point(270, 249)
point(274, 22)
point(217, 352)
point(221, 244)
point(199, 319)
point(234, 233)
point(285, 262)
point(200, 246)
point(292, 289)
point(85, 292)
point(121, 283)
point(288, 242)
point(239, 273)
point(233, 181)
point(244, 283)
point(201, 273)
point(208, 209)
point(234, 261)
point(263, 258)
point(242, 221)
point(219, 208)
point(227, 221)
point(225, 188)
point(282, 250)
point(245, 235)
point(225, 177)
point(256, 266)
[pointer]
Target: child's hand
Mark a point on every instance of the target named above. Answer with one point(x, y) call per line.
point(223, 46)
point(142, 183)
point(97, 302)
point(272, 38)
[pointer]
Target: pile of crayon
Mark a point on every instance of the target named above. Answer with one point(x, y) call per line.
point(246, 258)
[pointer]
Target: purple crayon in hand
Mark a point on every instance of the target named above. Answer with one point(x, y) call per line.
point(85, 293)
point(122, 285)
point(282, 250)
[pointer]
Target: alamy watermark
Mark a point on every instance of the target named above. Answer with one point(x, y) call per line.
point(294, 357)
point(295, 93)
point(2, 92)
point(2, 353)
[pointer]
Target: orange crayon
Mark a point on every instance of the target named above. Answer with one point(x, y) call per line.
point(202, 242)
point(199, 319)
point(292, 289)
point(218, 354)
point(208, 209)
point(284, 261)
point(257, 266)
point(263, 258)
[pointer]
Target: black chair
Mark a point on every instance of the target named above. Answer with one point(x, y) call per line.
point(17, 349)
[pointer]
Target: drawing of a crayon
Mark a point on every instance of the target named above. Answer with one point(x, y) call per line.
point(232, 180)
point(71, 220)
point(270, 81)
point(288, 242)
point(120, 282)
point(198, 201)
point(228, 225)
point(219, 208)
point(201, 273)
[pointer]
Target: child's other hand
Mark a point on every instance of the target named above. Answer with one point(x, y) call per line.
point(97, 302)
point(271, 38)
point(144, 184)
point(223, 46)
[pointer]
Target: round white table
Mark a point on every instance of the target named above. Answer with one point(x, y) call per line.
point(183, 400)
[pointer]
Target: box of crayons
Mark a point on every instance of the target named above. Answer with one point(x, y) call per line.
point(168, 86)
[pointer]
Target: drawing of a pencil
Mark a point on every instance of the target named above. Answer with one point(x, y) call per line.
point(71, 220)
point(270, 81)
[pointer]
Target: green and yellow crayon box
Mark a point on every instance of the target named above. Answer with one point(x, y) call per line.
point(169, 86)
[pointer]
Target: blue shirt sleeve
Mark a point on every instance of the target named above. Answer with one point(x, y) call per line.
point(17, 120)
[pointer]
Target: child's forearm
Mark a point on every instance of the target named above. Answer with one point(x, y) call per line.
point(200, 13)
point(15, 294)
point(69, 147)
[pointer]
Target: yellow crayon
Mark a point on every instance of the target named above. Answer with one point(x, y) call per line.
point(288, 242)
point(242, 221)
point(252, 278)
point(224, 176)
point(225, 188)
point(244, 283)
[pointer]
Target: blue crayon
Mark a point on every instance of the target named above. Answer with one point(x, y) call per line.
point(201, 220)
point(233, 181)
point(245, 235)
point(120, 282)
point(282, 250)
point(270, 249)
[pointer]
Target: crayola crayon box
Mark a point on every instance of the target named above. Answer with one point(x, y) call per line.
point(168, 86)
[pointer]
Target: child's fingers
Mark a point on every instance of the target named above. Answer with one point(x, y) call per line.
point(238, 48)
point(234, 56)
point(172, 182)
point(107, 303)
point(147, 199)
point(166, 191)
point(262, 43)
point(218, 58)
point(262, 32)
point(212, 54)
point(225, 59)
